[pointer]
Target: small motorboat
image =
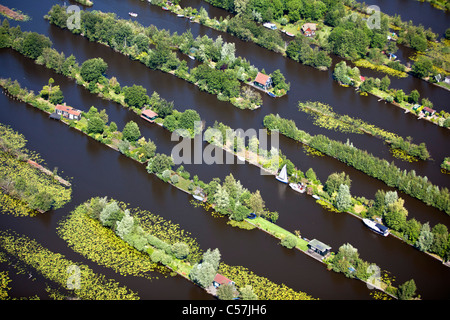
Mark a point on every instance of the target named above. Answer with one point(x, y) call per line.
point(376, 227)
point(133, 14)
point(289, 34)
point(197, 197)
point(180, 15)
point(300, 188)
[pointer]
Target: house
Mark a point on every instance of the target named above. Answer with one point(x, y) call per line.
point(309, 29)
point(220, 280)
point(68, 112)
point(417, 107)
point(318, 247)
point(428, 111)
point(149, 115)
point(263, 81)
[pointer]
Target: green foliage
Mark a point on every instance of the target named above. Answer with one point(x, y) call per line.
point(131, 131)
point(407, 290)
point(343, 198)
point(160, 163)
point(93, 69)
point(290, 241)
point(95, 125)
point(135, 96)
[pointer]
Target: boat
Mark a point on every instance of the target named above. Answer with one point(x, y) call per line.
point(251, 216)
point(282, 176)
point(271, 94)
point(376, 227)
point(297, 187)
point(133, 14)
point(191, 57)
point(197, 197)
point(180, 15)
point(165, 8)
point(289, 34)
point(316, 197)
point(241, 158)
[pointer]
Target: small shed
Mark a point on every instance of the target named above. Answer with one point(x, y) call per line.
point(220, 280)
point(263, 81)
point(319, 247)
point(149, 115)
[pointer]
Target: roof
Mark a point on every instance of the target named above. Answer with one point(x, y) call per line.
point(149, 113)
point(428, 109)
point(310, 26)
point(319, 245)
point(262, 78)
point(221, 279)
point(68, 109)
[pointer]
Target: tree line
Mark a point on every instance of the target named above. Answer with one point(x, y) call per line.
point(218, 74)
point(407, 181)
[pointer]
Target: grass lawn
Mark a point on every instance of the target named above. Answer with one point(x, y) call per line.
point(277, 231)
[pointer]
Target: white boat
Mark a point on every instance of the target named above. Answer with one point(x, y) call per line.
point(316, 197)
point(297, 187)
point(241, 158)
point(197, 197)
point(191, 57)
point(180, 15)
point(132, 14)
point(376, 227)
point(282, 176)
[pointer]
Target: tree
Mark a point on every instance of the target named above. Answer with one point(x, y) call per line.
point(310, 175)
point(110, 214)
point(180, 250)
point(33, 44)
point(131, 131)
point(395, 215)
point(160, 163)
point(188, 119)
point(256, 203)
point(203, 274)
point(226, 292)
point(212, 257)
point(290, 241)
point(246, 293)
point(426, 238)
point(422, 67)
point(93, 69)
point(407, 290)
point(135, 96)
point(335, 180)
point(125, 225)
point(222, 199)
point(343, 198)
point(414, 96)
point(95, 125)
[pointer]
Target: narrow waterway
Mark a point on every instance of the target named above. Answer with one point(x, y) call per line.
point(98, 170)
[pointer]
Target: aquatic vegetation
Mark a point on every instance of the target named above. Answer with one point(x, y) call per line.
point(325, 117)
point(55, 267)
point(262, 287)
point(26, 187)
point(99, 244)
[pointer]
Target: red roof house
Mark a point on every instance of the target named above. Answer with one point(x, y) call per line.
point(220, 280)
point(149, 115)
point(263, 81)
point(428, 111)
point(68, 112)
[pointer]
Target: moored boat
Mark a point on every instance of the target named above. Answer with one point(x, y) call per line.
point(133, 14)
point(297, 187)
point(197, 197)
point(282, 176)
point(376, 227)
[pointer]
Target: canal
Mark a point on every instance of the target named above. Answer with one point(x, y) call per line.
point(98, 170)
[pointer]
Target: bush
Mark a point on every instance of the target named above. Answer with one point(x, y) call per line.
point(290, 241)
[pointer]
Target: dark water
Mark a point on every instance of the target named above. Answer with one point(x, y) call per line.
point(98, 170)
